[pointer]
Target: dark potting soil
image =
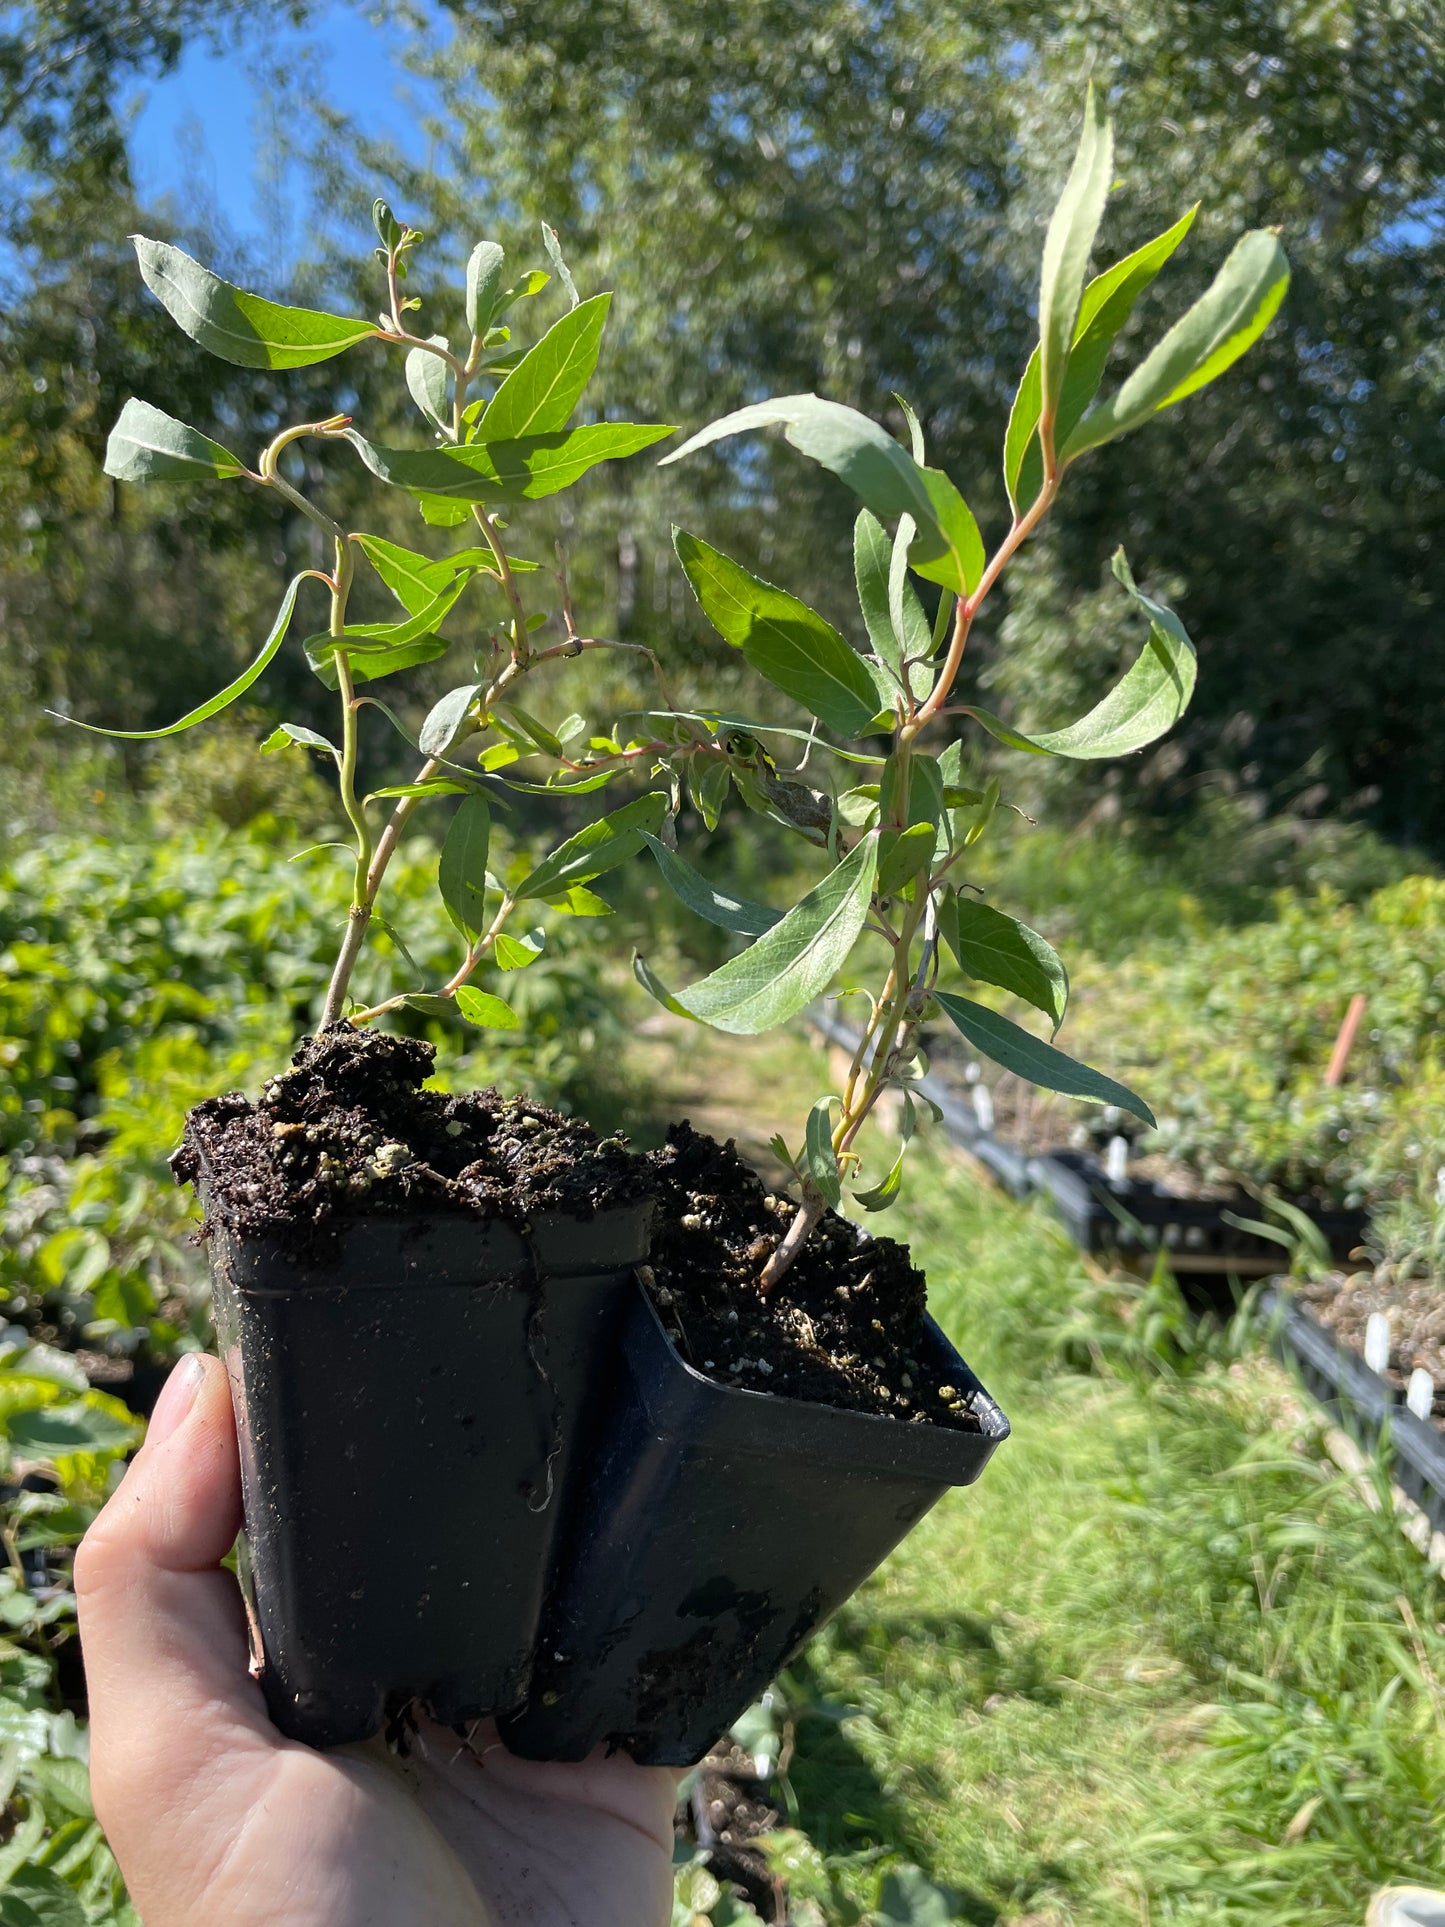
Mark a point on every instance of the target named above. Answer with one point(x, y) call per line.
point(844, 1326)
point(349, 1132)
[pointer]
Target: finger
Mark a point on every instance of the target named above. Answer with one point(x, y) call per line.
point(161, 1623)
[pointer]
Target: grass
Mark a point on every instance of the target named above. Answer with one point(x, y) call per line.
point(1159, 1665)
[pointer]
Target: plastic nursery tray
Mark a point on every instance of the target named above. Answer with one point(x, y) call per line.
point(1361, 1402)
point(1134, 1218)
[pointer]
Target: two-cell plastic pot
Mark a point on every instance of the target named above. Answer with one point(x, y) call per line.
point(414, 1414)
point(721, 1527)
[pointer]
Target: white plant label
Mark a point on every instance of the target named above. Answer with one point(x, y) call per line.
point(1377, 1341)
point(1420, 1392)
point(1116, 1160)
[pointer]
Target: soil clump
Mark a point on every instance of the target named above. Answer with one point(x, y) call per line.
point(844, 1327)
point(349, 1132)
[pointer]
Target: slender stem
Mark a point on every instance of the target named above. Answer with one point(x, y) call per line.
point(890, 1018)
point(481, 948)
point(968, 608)
point(359, 915)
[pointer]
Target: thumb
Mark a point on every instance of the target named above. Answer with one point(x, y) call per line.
point(162, 1625)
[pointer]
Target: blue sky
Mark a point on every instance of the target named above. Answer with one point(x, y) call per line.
point(196, 136)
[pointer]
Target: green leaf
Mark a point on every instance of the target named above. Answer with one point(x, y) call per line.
point(445, 718)
point(1019, 1051)
point(999, 950)
point(431, 1006)
point(487, 1012)
point(371, 660)
point(795, 961)
point(880, 472)
point(689, 886)
point(1067, 247)
point(579, 901)
point(908, 1898)
point(484, 281)
point(415, 580)
point(902, 855)
point(872, 560)
point(885, 1194)
point(36, 1897)
point(708, 780)
point(64, 1783)
point(515, 953)
point(285, 733)
point(525, 470)
point(217, 703)
point(601, 847)
point(818, 1152)
point(241, 328)
point(54, 1431)
point(784, 640)
point(1228, 318)
point(905, 611)
point(462, 872)
point(559, 266)
point(147, 445)
point(1108, 302)
point(1146, 702)
point(377, 649)
point(656, 988)
point(426, 380)
point(532, 282)
point(546, 384)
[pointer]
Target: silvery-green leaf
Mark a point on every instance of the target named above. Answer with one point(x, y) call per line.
point(881, 473)
point(559, 266)
point(218, 702)
point(784, 640)
point(1143, 705)
point(445, 718)
point(1067, 247)
point(147, 445)
point(1228, 317)
point(818, 1152)
point(1018, 1050)
point(705, 899)
point(239, 327)
point(426, 380)
point(794, 962)
point(462, 872)
point(484, 281)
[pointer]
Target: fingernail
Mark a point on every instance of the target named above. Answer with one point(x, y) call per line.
point(178, 1395)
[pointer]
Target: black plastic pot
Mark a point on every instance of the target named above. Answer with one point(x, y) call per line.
point(412, 1414)
point(722, 1527)
point(1133, 1218)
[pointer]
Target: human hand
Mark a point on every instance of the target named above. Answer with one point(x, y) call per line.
point(216, 1819)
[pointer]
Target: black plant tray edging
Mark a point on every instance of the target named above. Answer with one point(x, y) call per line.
point(1133, 1218)
point(1361, 1402)
point(413, 1414)
point(722, 1528)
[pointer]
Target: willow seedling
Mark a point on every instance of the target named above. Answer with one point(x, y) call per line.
point(899, 840)
point(498, 420)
